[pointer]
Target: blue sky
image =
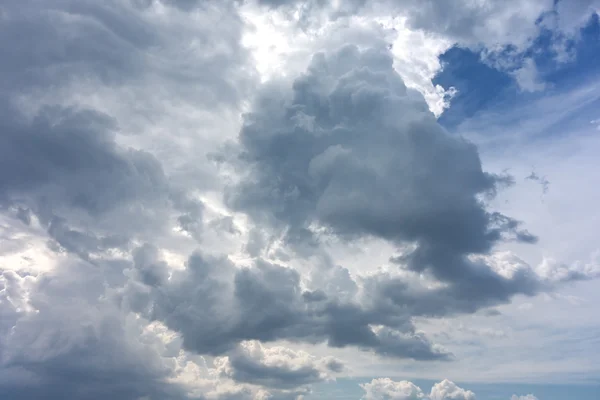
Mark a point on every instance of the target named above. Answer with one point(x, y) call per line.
point(482, 87)
point(295, 200)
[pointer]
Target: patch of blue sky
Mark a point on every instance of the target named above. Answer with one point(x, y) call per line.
point(562, 66)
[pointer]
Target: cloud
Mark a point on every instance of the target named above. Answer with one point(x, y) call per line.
point(506, 33)
point(447, 390)
point(275, 367)
point(385, 388)
point(528, 397)
point(67, 153)
point(553, 271)
point(60, 340)
point(108, 111)
point(489, 22)
point(527, 77)
point(351, 150)
point(544, 183)
point(572, 15)
point(66, 161)
point(216, 305)
point(78, 81)
point(62, 335)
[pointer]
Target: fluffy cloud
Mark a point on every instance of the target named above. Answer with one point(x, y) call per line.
point(528, 397)
point(554, 271)
point(504, 32)
point(66, 148)
point(387, 389)
point(351, 149)
point(63, 336)
point(53, 347)
point(216, 305)
point(275, 367)
point(447, 390)
point(490, 22)
point(69, 178)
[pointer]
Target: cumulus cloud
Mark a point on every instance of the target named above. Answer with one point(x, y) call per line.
point(54, 347)
point(554, 271)
point(69, 178)
point(387, 389)
point(490, 21)
point(63, 153)
point(216, 305)
point(528, 397)
point(64, 336)
point(504, 32)
point(351, 149)
point(447, 390)
point(276, 367)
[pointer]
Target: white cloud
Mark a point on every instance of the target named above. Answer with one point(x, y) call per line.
point(276, 366)
point(423, 30)
point(387, 389)
point(527, 397)
point(447, 390)
point(527, 77)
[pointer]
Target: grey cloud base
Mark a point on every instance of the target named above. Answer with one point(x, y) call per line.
point(216, 305)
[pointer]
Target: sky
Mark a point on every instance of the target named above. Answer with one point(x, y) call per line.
point(285, 200)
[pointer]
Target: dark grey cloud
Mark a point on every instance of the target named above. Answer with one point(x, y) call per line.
point(82, 243)
point(67, 176)
point(349, 147)
point(75, 345)
point(116, 43)
point(64, 167)
point(62, 160)
point(215, 306)
point(466, 296)
point(70, 156)
point(246, 370)
point(51, 41)
point(63, 337)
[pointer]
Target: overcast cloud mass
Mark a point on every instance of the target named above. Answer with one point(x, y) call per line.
point(265, 199)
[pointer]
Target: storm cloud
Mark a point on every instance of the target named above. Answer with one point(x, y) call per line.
point(216, 305)
point(348, 147)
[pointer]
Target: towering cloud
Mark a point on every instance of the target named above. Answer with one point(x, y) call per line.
point(351, 150)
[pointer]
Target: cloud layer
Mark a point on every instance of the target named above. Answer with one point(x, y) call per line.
point(170, 225)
